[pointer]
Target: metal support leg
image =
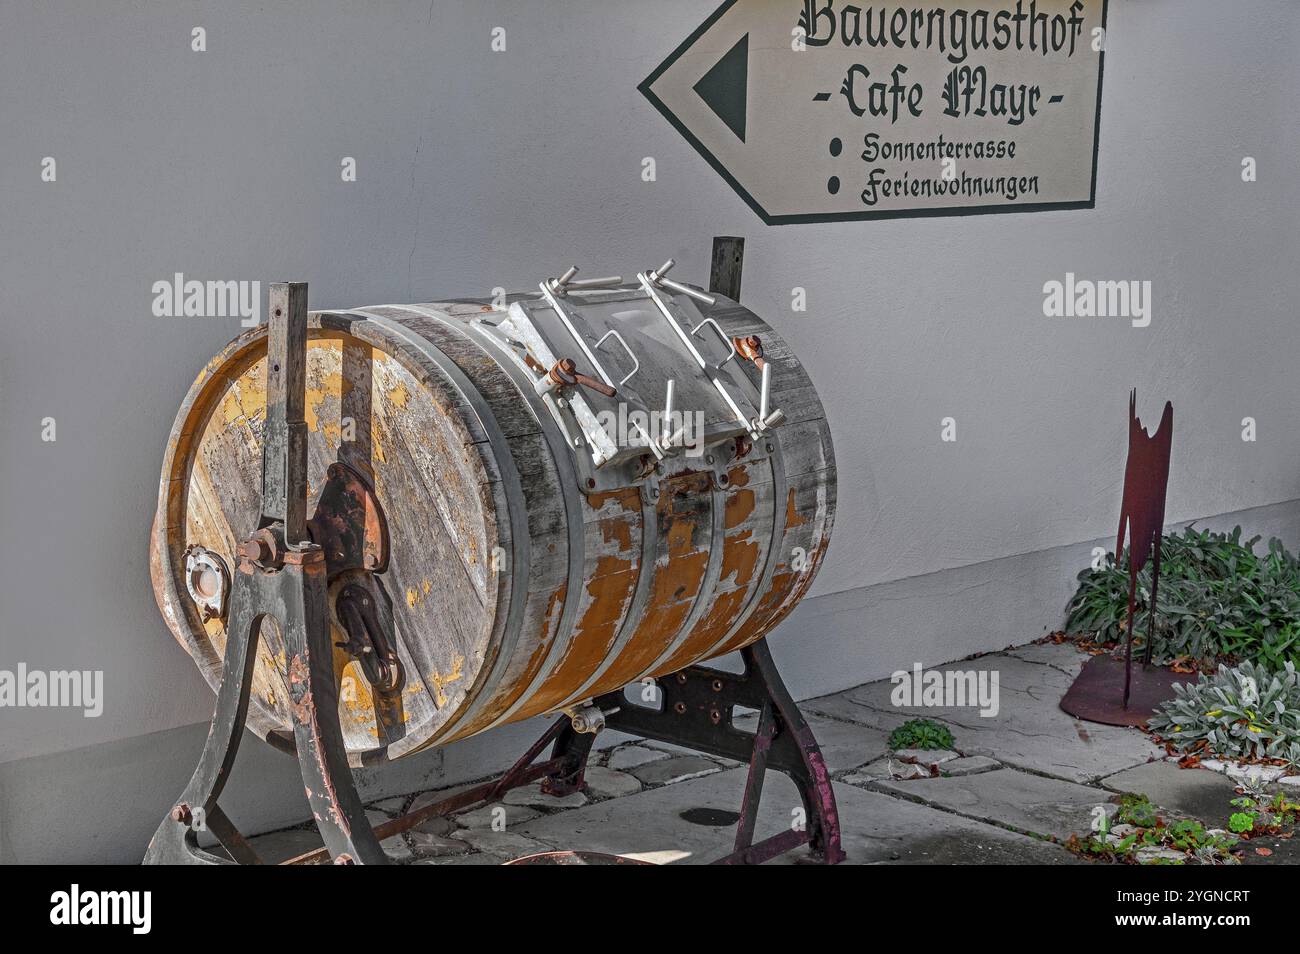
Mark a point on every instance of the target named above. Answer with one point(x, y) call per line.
point(574, 748)
point(281, 576)
point(696, 712)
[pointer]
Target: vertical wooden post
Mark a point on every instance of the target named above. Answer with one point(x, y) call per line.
point(284, 459)
point(724, 271)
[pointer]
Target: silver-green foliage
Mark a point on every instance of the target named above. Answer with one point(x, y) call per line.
point(1240, 711)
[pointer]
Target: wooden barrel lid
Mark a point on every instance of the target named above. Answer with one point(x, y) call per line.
point(373, 405)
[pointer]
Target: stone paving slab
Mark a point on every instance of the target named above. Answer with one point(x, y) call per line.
point(877, 827)
point(630, 756)
point(1197, 792)
point(677, 768)
point(1048, 807)
point(532, 796)
point(494, 815)
point(1030, 731)
point(1064, 656)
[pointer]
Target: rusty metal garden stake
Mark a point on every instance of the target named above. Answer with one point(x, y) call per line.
point(1142, 512)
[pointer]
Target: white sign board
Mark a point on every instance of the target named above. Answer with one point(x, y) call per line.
point(822, 110)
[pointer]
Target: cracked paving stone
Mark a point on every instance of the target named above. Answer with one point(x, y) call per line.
point(437, 825)
point(1030, 731)
point(1195, 792)
point(496, 816)
point(872, 772)
point(970, 765)
point(1066, 657)
point(630, 756)
point(678, 768)
point(426, 845)
point(876, 827)
point(506, 845)
point(925, 756)
point(609, 783)
point(532, 796)
point(1048, 807)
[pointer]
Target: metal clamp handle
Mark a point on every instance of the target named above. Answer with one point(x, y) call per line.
point(731, 345)
point(656, 277)
point(636, 365)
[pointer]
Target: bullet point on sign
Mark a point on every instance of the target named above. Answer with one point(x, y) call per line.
point(836, 146)
point(833, 184)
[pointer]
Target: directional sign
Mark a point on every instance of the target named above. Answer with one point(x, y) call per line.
point(822, 111)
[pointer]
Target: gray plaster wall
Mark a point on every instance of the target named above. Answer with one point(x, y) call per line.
point(481, 169)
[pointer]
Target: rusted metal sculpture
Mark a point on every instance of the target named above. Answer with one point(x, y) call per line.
point(524, 560)
point(1142, 512)
point(1104, 691)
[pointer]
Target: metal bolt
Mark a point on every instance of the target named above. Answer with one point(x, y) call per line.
point(183, 814)
point(344, 859)
point(680, 708)
point(715, 716)
point(681, 678)
point(709, 459)
point(717, 685)
point(255, 550)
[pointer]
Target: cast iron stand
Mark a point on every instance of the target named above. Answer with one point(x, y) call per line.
point(283, 575)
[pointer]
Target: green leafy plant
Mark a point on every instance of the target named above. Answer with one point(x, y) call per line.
point(921, 734)
point(1139, 825)
point(1218, 601)
point(1241, 822)
point(1244, 711)
point(1261, 813)
point(1137, 810)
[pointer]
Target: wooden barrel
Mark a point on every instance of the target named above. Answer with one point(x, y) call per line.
point(525, 574)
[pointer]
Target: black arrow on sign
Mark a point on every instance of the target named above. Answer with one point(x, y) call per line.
point(723, 88)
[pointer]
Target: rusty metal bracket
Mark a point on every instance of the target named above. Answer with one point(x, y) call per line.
point(349, 524)
point(696, 711)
